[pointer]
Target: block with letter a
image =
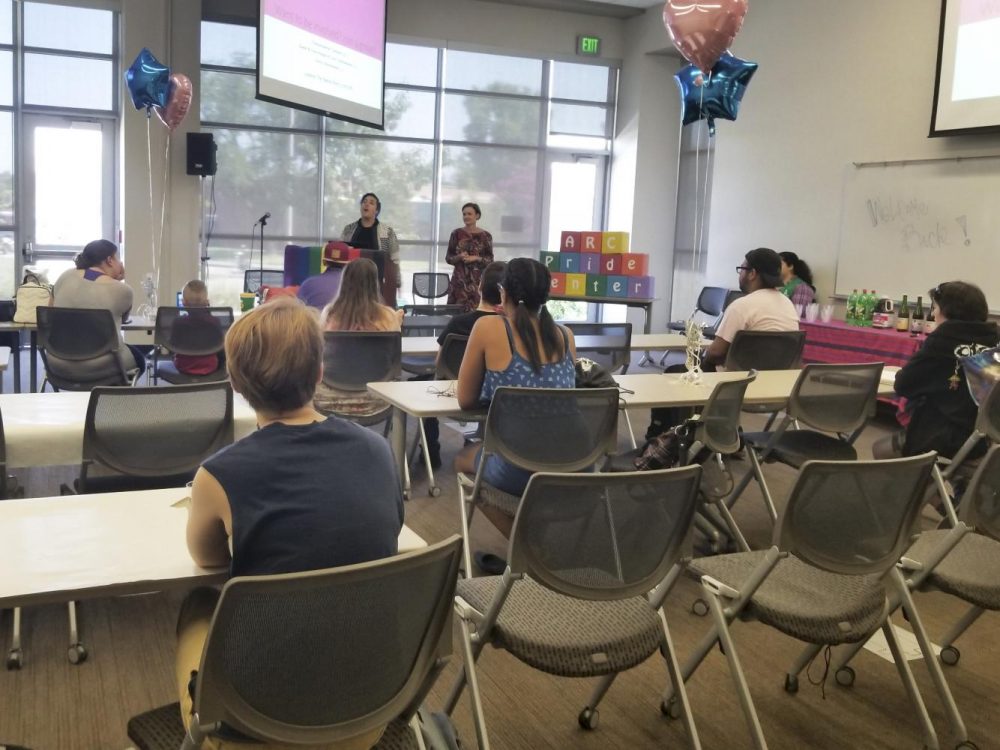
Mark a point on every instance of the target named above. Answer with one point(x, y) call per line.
point(576, 284)
point(614, 242)
point(635, 264)
point(570, 242)
point(591, 242)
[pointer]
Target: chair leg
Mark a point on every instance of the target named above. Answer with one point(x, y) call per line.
point(77, 653)
point(15, 656)
point(466, 510)
point(961, 626)
point(432, 487)
point(930, 736)
point(734, 530)
point(765, 492)
point(735, 669)
point(631, 432)
point(673, 668)
point(468, 676)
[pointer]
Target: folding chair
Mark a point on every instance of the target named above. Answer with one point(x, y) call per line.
point(765, 350)
point(826, 579)
point(80, 349)
point(592, 558)
point(192, 332)
point(838, 399)
point(710, 304)
point(430, 286)
point(610, 345)
point(539, 429)
point(352, 359)
point(321, 657)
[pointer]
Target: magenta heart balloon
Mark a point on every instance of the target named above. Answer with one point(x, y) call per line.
point(702, 32)
point(179, 102)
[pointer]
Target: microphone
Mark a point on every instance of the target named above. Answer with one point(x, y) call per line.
point(263, 219)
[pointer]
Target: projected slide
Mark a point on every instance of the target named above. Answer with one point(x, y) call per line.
point(977, 52)
point(324, 55)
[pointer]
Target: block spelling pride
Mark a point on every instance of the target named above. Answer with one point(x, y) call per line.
point(598, 264)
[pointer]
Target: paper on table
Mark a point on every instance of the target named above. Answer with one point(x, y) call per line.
point(889, 374)
point(184, 502)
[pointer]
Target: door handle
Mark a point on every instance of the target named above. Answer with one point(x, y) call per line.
point(26, 250)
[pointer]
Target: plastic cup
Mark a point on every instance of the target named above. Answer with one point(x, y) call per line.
point(812, 312)
point(826, 313)
point(247, 300)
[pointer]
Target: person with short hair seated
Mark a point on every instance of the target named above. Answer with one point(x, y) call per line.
point(524, 347)
point(303, 492)
point(939, 411)
point(194, 299)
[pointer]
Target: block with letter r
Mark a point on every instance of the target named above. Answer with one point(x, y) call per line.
point(591, 242)
point(576, 284)
point(635, 264)
point(590, 263)
point(550, 260)
point(569, 262)
point(597, 285)
point(569, 242)
point(611, 265)
point(618, 286)
point(640, 287)
point(558, 284)
point(614, 242)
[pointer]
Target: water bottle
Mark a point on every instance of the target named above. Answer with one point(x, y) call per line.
point(852, 302)
point(870, 308)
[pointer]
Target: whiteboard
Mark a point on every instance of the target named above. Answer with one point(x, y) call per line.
point(906, 227)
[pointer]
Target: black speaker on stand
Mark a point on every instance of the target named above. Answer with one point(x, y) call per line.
point(201, 154)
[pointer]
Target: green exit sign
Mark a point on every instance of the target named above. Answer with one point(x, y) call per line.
point(588, 45)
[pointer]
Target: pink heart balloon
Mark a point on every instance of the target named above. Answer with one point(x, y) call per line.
point(701, 32)
point(179, 102)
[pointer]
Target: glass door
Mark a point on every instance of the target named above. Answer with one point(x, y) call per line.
point(574, 193)
point(69, 189)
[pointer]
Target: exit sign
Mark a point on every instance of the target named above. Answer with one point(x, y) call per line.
point(588, 45)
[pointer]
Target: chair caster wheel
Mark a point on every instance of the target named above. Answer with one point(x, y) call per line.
point(845, 676)
point(791, 684)
point(435, 492)
point(967, 745)
point(77, 654)
point(699, 607)
point(589, 718)
point(950, 655)
point(15, 659)
point(406, 494)
point(671, 709)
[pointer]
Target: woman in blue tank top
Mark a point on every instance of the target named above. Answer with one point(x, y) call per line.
point(523, 348)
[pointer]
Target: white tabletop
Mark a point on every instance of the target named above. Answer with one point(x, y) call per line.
point(649, 342)
point(80, 546)
point(46, 429)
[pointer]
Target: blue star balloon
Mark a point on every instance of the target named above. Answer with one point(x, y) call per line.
point(148, 81)
point(719, 94)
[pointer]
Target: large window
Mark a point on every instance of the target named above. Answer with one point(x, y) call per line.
point(460, 126)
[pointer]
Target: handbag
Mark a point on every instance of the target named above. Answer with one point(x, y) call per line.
point(31, 295)
point(590, 374)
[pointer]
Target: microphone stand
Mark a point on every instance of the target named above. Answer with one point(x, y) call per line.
point(260, 286)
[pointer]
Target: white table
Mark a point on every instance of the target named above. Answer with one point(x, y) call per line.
point(85, 546)
point(649, 342)
point(46, 429)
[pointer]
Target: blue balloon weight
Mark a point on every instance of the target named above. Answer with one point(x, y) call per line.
point(148, 81)
point(719, 94)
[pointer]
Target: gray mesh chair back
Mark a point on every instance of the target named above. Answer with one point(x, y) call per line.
point(980, 507)
point(352, 359)
point(603, 536)
point(430, 285)
point(711, 302)
point(323, 656)
point(79, 348)
point(552, 429)
point(718, 426)
point(766, 350)
point(449, 360)
point(153, 437)
point(608, 344)
point(195, 332)
point(835, 398)
point(254, 279)
point(854, 517)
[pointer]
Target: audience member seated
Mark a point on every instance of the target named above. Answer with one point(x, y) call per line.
point(98, 283)
point(320, 290)
point(797, 279)
point(524, 347)
point(358, 307)
point(303, 492)
point(194, 295)
point(762, 308)
point(939, 412)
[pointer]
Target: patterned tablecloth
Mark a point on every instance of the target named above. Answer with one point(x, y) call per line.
point(837, 342)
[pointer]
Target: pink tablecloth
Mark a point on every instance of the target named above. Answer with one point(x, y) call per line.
point(837, 342)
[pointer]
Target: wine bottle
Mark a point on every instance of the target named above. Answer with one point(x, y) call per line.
point(917, 321)
point(903, 316)
point(929, 323)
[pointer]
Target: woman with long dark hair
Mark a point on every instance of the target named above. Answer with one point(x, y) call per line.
point(797, 279)
point(524, 347)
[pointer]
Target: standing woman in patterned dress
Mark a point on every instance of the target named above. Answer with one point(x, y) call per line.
point(470, 250)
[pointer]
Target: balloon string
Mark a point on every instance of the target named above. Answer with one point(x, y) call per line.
point(158, 251)
point(704, 200)
point(695, 250)
point(149, 172)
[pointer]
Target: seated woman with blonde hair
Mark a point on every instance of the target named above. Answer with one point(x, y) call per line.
point(358, 307)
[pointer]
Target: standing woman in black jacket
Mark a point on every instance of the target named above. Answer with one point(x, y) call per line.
point(941, 413)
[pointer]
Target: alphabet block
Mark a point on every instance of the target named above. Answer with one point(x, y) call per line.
point(550, 260)
point(569, 262)
point(590, 263)
point(576, 284)
point(635, 264)
point(591, 242)
point(558, 286)
point(570, 242)
point(597, 285)
point(615, 242)
point(618, 286)
point(640, 287)
point(611, 265)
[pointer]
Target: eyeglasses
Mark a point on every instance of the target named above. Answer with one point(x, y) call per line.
point(740, 269)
